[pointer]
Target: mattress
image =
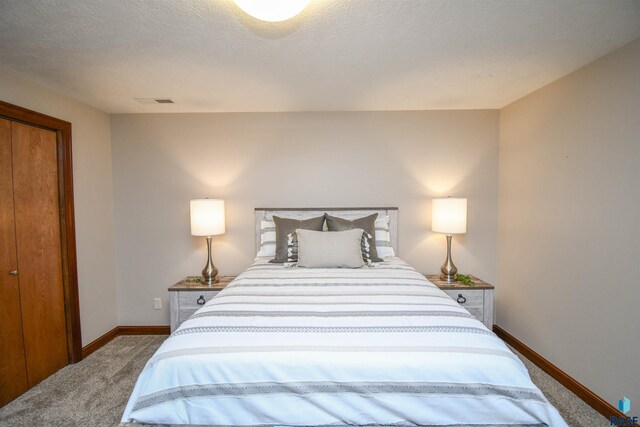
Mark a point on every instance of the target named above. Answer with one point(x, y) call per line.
point(370, 346)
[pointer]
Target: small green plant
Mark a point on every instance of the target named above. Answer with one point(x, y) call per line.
point(465, 279)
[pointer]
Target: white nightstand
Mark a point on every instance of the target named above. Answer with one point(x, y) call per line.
point(188, 295)
point(477, 299)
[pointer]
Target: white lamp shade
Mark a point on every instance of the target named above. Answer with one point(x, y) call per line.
point(449, 216)
point(207, 217)
point(272, 10)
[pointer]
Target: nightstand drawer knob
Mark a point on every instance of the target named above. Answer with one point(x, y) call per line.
point(461, 299)
point(201, 300)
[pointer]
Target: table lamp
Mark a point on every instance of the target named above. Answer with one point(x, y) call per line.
point(207, 220)
point(449, 216)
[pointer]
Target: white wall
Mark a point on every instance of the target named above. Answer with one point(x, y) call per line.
point(161, 161)
point(569, 236)
point(91, 144)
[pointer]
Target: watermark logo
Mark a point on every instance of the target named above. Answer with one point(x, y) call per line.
point(624, 405)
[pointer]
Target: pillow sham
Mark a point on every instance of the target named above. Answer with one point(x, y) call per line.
point(267, 239)
point(286, 226)
point(383, 237)
point(340, 249)
point(366, 223)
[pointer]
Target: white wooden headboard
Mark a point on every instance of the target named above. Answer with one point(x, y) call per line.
point(302, 213)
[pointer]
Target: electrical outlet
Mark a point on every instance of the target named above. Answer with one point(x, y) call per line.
point(157, 303)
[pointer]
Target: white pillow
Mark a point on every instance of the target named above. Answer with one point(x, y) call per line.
point(330, 249)
point(383, 237)
point(267, 239)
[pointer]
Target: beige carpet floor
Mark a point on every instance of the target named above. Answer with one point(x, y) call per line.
point(95, 391)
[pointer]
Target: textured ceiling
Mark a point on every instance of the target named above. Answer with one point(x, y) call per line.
point(207, 55)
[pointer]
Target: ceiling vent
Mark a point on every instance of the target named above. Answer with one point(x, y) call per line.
point(154, 100)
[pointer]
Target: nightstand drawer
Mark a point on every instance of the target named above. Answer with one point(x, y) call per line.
point(189, 295)
point(195, 299)
point(477, 299)
point(467, 298)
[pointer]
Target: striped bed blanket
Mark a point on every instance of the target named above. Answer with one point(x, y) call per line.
point(373, 346)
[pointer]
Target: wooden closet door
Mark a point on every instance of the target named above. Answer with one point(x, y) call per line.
point(35, 183)
point(13, 371)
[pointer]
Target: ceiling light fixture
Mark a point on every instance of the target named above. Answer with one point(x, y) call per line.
point(272, 10)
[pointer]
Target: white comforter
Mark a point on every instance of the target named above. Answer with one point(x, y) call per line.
point(371, 346)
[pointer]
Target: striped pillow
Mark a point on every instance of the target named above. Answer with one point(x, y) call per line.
point(267, 239)
point(383, 237)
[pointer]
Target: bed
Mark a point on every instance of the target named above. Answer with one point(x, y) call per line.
point(378, 345)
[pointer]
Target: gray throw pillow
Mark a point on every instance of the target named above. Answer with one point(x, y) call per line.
point(286, 226)
point(339, 249)
point(367, 223)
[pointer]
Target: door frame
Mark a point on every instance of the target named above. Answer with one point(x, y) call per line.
point(67, 217)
